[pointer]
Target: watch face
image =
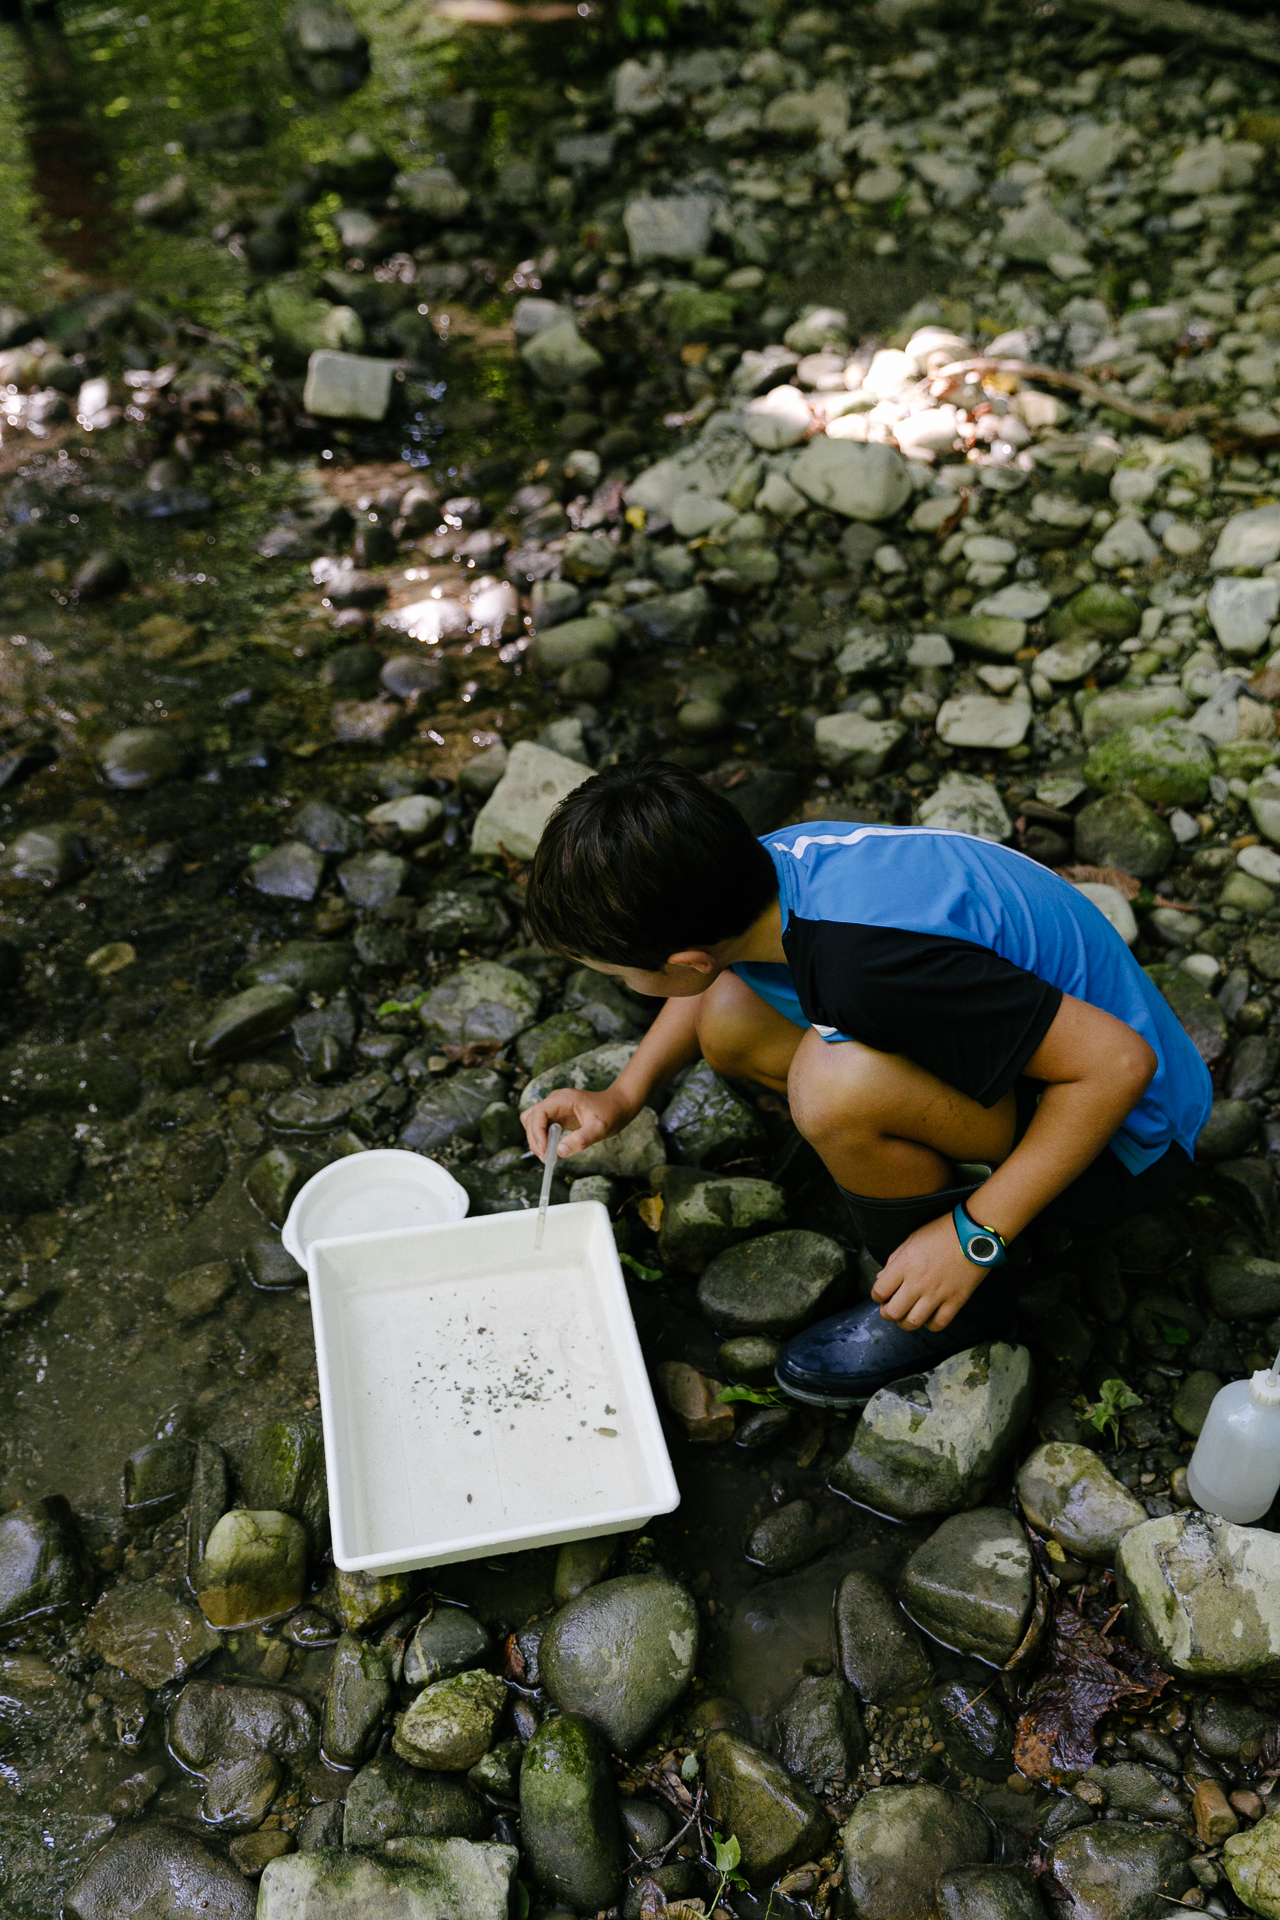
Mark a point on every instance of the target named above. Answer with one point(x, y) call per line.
point(983, 1247)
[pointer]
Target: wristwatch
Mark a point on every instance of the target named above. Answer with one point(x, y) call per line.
point(979, 1244)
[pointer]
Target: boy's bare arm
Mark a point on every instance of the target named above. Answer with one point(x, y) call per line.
point(1096, 1069)
point(671, 1043)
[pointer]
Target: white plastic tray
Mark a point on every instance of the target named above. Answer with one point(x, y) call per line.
point(478, 1395)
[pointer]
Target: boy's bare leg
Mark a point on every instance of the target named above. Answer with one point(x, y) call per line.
point(883, 1126)
point(742, 1036)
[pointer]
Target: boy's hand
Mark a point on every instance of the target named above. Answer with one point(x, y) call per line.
point(591, 1116)
point(926, 1281)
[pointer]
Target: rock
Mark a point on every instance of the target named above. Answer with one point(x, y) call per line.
point(149, 1634)
point(235, 1738)
point(274, 1181)
point(326, 50)
point(44, 856)
point(988, 634)
point(988, 1893)
point(388, 1800)
point(1254, 1062)
point(347, 386)
point(289, 872)
point(592, 1072)
point(358, 1697)
point(253, 1851)
point(1228, 1130)
point(1067, 1493)
point(1193, 1399)
point(860, 480)
point(415, 816)
point(159, 1870)
point(141, 758)
point(1136, 1791)
point(200, 1291)
point(1222, 1725)
point(372, 880)
point(581, 1564)
point(38, 1168)
point(671, 227)
point(451, 1109)
point(695, 1400)
point(776, 1822)
point(1121, 831)
point(1252, 1861)
point(321, 1827)
point(481, 1001)
point(966, 804)
point(980, 720)
point(707, 1123)
point(770, 1285)
point(621, 1655)
point(897, 1843)
point(970, 1585)
point(519, 807)
point(103, 573)
point(934, 1442)
point(1249, 539)
point(879, 1651)
point(451, 1723)
point(1168, 764)
point(367, 1599)
point(1121, 707)
point(634, 1154)
point(369, 723)
point(1114, 1871)
point(448, 1641)
point(44, 1573)
point(308, 966)
point(1243, 612)
point(254, 1568)
point(208, 1500)
point(702, 1216)
point(1201, 1595)
point(416, 1880)
point(1242, 1286)
point(432, 191)
point(157, 1480)
point(796, 1532)
point(1199, 1014)
point(450, 920)
point(247, 1021)
point(673, 619)
point(852, 745)
point(573, 642)
point(975, 1729)
point(282, 1470)
point(1036, 232)
point(820, 1733)
point(558, 356)
point(569, 1821)
point(563, 1037)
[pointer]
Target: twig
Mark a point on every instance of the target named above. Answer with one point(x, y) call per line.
point(656, 1859)
point(1169, 423)
point(1213, 26)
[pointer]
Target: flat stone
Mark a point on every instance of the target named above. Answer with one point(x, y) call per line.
point(797, 1532)
point(450, 920)
point(451, 1724)
point(702, 1215)
point(200, 1291)
point(43, 856)
point(1204, 1596)
point(141, 758)
point(308, 966)
point(934, 1443)
point(668, 226)
point(367, 1599)
point(514, 815)
point(775, 1820)
point(254, 1568)
point(695, 1400)
point(372, 880)
point(282, 1470)
point(621, 1655)
point(558, 356)
point(292, 871)
point(706, 1123)
point(563, 1037)
point(970, 1585)
point(248, 1020)
point(211, 1723)
point(996, 636)
point(416, 1879)
point(966, 804)
point(448, 1641)
point(1120, 707)
point(1243, 1286)
point(1242, 612)
point(1068, 1494)
point(988, 1893)
point(388, 1799)
point(820, 1733)
point(569, 1821)
point(897, 1843)
point(860, 480)
point(451, 1109)
point(415, 816)
point(634, 1154)
point(1138, 1792)
point(356, 1702)
point(149, 1634)
point(975, 1729)
point(1168, 764)
point(482, 1001)
point(855, 747)
point(569, 644)
point(252, 1851)
point(1032, 233)
point(1120, 830)
point(879, 1651)
point(347, 386)
point(1249, 539)
point(673, 619)
point(164, 1871)
point(769, 1285)
point(1114, 1871)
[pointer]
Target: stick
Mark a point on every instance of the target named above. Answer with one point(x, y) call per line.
point(1168, 423)
point(1225, 31)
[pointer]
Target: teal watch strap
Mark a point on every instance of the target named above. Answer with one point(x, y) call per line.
point(979, 1244)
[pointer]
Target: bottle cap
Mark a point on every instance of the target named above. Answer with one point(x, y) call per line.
point(1264, 1388)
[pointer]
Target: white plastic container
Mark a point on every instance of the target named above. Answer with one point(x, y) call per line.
point(369, 1192)
point(477, 1394)
point(1235, 1469)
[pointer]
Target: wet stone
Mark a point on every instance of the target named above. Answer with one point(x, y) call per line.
point(239, 1793)
point(934, 1442)
point(591, 1072)
point(140, 758)
point(694, 1398)
point(326, 828)
point(282, 1470)
point(253, 1851)
point(481, 1001)
point(1113, 1871)
point(569, 1821)
point(1168, 764)
point(247, 1021)
point(988, 1893)
point(447, 1642)
point(797, 1532)
point(702, 1216)
point(581, 1564)
point(1243, 1286)
point(358, 1697)
point(254, 1568)
point(1068, 1494)
point(325, 1036)
point(1201, 1595)
point(776, 1821)
point(321, 1827)
point(1136, 1791)
point(451, 1723)
point(415, 816)
point(416, 1880)
point(367, 1599)
point(157, 1480)
point(899, 1840)
point(1120, 830)
point(970, 1586)
point(749, 1356)
point(498, 1771)
point(879, 1651)
point(389, 1799)
point(450, 920)
point(1199, 1015)
point(274, 1181)
point(820, 1733)
point(291, 871)
point(372, 880)
point(199, 1291)
point(611, 1012)
point(517, 810)
point(707, 1123)
point(308, 966)
point(208, 1500)
point(149, 1634)
point(162, 1870)
point(621, 1655)
point(38, 1168)
point(1222, 1725)
point(451, 1109)
point(43, 856)
point(1229, 1129)
point(562, 1037)
point(975, 1728)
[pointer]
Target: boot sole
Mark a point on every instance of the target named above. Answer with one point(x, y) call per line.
point(839, 1403)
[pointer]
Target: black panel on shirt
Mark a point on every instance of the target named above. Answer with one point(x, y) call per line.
point(955, 1008)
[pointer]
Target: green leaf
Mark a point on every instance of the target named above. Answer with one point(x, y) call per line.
point(522, 1901)
point(1172, 1334)
point(728, 1853)
point(401, 1006)
point(257, 850)
point(641, 1272)
point(758, 1396)
point(689, 1767)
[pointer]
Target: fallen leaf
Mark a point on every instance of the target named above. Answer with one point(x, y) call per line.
point(1087, 1671)
point(1103, 877)
point(650, 1211)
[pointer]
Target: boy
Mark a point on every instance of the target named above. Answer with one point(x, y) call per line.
point(923, 998)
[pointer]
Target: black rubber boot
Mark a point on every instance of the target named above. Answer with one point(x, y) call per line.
point(844, 1360)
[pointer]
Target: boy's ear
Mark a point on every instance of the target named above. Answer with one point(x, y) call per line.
point(696, 957)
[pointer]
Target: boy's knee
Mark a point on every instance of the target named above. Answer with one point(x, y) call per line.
point(835, 1092)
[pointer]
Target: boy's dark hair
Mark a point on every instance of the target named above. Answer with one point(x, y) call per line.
point(642, 861)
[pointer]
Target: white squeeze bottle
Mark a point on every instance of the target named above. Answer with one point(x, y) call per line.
point(1235, 1469)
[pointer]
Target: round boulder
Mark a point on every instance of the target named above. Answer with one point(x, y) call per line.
point(622, 1654)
